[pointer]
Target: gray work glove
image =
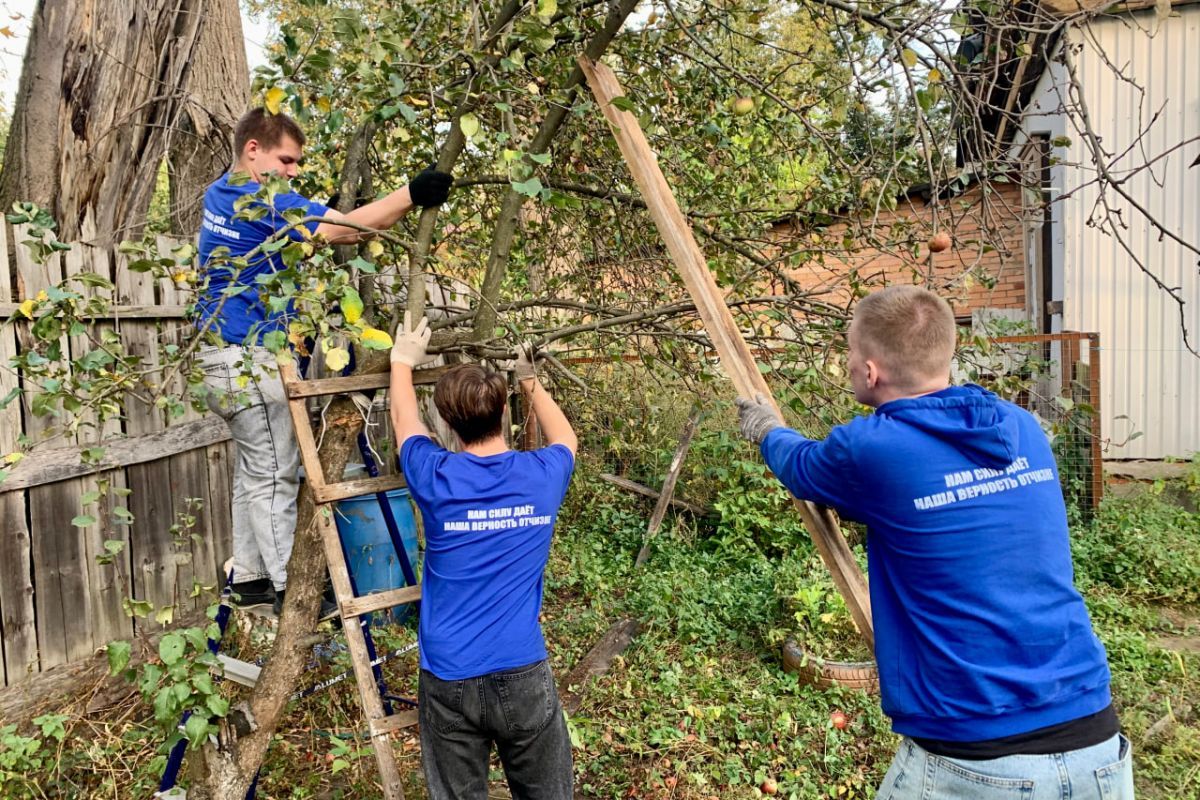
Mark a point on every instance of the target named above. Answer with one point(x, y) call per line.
point(408, 346)
point(430, 187)
point(524, 367)
point(757, 418)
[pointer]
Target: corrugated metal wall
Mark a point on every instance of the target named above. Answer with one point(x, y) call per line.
point(1151, 383)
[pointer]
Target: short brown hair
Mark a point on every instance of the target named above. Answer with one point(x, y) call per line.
point(269, 129)
point(472, 399)
point(909, 330)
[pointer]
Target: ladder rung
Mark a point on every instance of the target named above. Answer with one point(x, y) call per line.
point(340, 491)
point(357, 606)
point(356, 383)
point(239, 671)
point(397, 721)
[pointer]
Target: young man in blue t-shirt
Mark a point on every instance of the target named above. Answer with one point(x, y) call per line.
point(988, 665)
point(488, 515)
point(265, 480)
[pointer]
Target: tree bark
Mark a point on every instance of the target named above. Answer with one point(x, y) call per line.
point(104, 89)
point(217, 94)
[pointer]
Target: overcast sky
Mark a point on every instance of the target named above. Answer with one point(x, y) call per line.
point(15, 15)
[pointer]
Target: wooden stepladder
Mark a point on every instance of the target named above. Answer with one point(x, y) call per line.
point(380, 723)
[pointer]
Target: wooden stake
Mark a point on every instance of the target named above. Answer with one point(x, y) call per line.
point(736, 358)
point(668, 489)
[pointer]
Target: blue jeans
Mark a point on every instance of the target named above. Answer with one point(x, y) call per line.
point(266, 476)
point(1101, 772)
point(519, 710)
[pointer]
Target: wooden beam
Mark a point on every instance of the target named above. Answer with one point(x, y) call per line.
point(736, 358)
point(142, 312)
point(52, 466)
point(646, 491)
point(668, 490)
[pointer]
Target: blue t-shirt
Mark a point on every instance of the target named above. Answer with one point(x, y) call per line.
point(488, 522)
point(979, 630)
point(245, 313)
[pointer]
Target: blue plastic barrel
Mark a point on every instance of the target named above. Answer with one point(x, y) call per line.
point(370, 556)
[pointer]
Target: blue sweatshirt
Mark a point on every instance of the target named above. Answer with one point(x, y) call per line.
point(979, 630)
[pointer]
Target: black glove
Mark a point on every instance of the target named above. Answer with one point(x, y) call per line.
point(430, 187)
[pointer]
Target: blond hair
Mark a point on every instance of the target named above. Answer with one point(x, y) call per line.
point(909, 330)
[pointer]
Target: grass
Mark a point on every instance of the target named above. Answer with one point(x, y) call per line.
point(699, 707)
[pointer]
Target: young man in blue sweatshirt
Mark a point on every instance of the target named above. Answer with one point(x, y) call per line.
point(234, 314)
point(489, 516)
point(988, 665)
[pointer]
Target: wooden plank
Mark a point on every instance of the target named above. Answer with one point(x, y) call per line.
point(1094, 400)
point(220, 501)
point(356, 383)
point(153, 554)
point(646, 491)
point(141, 312)
point(60, 597)
point(50, 466)
point(396, 722)
point(347, 489)
point(668, 490)
point(314, 476)
point(106, 574)
point(17, 632)
point(736, 358)
point(596, 662)
point(357, 606)
point(368, 690)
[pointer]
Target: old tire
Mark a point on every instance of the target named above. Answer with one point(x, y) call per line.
point(821, 672)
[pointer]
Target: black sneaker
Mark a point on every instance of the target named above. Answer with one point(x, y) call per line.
point(329, 610)
point(253, 593)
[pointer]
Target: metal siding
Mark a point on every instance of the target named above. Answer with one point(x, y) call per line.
point(1147, 373)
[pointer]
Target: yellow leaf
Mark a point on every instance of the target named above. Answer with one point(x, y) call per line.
point(7, 31)
point(41, 296)
point(323, 105)
point(469, 125)
point(27, 307)
point(337, 358)
point(13, 458)
point(935, 76)
point(375, 248)
point(274, 98)
point(909, 57)
point(376, 339)
point(413, 100)
point(352, 305)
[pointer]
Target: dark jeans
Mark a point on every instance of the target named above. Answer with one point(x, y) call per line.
point(519, 710)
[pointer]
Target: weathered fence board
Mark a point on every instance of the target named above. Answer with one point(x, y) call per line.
point(17, 629)
point(59, 575)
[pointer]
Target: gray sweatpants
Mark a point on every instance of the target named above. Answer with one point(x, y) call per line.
point(265, 477)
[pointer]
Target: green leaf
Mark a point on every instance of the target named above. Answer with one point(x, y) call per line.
point(529, 188)
point(196, 730)
point(170, 649)
point(352, 305)
point(909, 57)
point(165, 705)
point(623, 103)
point(218, 705)
point(338, 765)
point(362, 265)
point(118, 656)
point(546, 9)
point(275, 341)
point(83, 520)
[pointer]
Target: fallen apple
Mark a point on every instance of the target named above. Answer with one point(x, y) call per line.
point(769, 786)
point(838, 720)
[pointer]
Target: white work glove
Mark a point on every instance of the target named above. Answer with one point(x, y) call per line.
point(757, 418)
point(409, 343)
point(524, 366)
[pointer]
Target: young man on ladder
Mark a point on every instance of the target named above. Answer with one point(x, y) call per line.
point(266, 480)
point(489, 515)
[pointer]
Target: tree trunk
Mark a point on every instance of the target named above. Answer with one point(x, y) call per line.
point(217, 94)
point(104, 89)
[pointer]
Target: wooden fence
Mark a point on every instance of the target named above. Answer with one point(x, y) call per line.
point(57, 602)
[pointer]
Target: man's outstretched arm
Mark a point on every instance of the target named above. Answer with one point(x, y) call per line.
point(555, 425)
point(408, 351)
point(428, 188)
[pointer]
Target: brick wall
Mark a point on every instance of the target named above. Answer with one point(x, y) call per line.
point(984, 268)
